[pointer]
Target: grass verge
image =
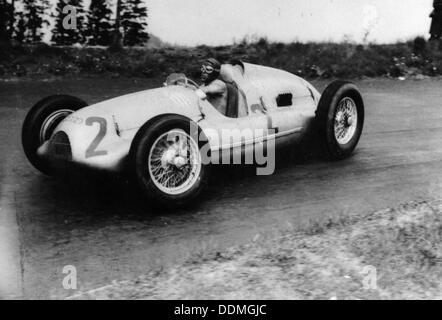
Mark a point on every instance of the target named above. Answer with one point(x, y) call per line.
point(389, 254)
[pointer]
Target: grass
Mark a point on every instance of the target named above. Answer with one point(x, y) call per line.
point(400, 249)
point(309, 60)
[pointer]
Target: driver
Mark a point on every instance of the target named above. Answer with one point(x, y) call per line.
point(215, 89)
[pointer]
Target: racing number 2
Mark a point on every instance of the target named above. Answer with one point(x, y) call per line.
point(92, 149)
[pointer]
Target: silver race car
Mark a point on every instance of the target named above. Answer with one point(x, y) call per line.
point(168, 138)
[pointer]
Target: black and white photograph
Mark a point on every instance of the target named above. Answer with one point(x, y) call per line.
point(220, 150)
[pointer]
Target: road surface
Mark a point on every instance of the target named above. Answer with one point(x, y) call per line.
point(103, 230)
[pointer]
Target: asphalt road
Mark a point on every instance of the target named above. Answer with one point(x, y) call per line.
point(103, 230)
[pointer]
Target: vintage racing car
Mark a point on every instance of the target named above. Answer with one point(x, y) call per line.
point(163, 136)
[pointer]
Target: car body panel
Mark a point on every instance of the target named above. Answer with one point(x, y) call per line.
point(101, 135)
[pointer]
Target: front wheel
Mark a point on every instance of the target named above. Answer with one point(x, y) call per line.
point(166, 162)
point(41, 122)
point(340, 119)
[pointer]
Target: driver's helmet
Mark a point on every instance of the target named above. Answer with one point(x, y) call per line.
point(210, 70)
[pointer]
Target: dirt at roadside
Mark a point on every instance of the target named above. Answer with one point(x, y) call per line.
point(389, 254)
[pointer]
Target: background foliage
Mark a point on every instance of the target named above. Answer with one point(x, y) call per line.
point(416, 58)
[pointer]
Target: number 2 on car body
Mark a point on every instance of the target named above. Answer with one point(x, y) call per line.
point(92, 149)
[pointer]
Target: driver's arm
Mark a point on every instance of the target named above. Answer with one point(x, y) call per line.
point(216, 87)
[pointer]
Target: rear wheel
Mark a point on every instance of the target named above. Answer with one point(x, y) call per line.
point(340, 119)
point(41, 122)
point(166, 162)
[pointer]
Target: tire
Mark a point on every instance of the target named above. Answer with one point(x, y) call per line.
point(147, 142)
point(41, 122)
point(333, 113)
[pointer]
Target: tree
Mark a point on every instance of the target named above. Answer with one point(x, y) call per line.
point(69, 22)
point(34, 15)
point(99, 23)
point(134, 22)
point(11, 19)
point(3, 21)
point(20, 28)
point(116, 36)
point(6, 20)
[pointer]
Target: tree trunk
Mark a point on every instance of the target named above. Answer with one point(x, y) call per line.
point(3, 21)
point(11, 19)
point(117, 43)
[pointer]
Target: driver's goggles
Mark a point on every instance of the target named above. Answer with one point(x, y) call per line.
point(207, 69)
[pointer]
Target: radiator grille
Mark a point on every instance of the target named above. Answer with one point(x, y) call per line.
point(60, 147)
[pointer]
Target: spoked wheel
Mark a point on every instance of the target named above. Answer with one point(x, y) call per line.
point(346, 120)
point(166, 162)
point(40, 123)
point(340, 119)
point(174, 162)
